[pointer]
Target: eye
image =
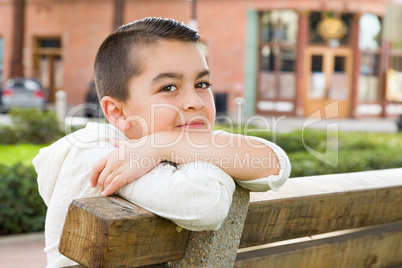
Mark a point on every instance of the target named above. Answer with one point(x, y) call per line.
point(203, 85)
point(168, 88)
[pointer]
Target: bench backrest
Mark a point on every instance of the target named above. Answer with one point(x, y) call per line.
point(111, 232)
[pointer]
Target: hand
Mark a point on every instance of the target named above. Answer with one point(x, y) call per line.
point(119, 168)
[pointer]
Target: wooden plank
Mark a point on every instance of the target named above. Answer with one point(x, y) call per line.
point(378, 246)
point(281, 219)
point(319, 204)
point(96, 229)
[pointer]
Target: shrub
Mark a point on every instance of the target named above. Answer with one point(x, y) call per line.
point(356, 151)
point(370, 153)
point(8, 135)
point(22, 209)
point(32, 126)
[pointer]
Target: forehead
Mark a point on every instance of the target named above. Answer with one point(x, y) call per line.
point(172, 56)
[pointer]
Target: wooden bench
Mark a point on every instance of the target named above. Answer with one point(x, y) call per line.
point(339, 220)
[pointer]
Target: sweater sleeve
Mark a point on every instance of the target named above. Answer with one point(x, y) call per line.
point(196, 196)
point(272, 182)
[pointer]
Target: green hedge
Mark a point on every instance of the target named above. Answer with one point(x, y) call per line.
point(356, 151)
point(30, 126)
point(22, 209)
point(305, 164)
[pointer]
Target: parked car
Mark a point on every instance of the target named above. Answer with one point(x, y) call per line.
point(92, 105)
point(23, 92)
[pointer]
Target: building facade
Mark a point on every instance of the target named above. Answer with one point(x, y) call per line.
point(290, 57)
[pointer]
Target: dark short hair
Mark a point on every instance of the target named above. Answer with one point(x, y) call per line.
point(117, 60)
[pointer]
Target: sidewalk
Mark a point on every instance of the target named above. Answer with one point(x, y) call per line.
point(285, 124)
point(359, 125)
point(22, 251)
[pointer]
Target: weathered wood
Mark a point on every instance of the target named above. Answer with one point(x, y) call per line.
point(276, 219)
point(204, 249)
point(378, 246)
point(112, 232)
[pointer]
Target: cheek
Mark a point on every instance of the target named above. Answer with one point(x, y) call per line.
point(164, 118)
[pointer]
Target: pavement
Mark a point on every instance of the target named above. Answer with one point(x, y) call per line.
point(26, 250)
point(22, 251)
point(283, 124)
point(286, 124)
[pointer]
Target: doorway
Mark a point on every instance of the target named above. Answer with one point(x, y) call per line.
point(328, 79)
point(47, 65)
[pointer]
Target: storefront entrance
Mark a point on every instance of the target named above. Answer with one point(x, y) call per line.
point(48, 65)
point(328, 77)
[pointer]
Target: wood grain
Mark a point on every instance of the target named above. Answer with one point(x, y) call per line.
point(281, 219)
point(112, 232)
point(378, 246)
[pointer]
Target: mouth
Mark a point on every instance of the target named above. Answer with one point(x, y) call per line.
point(193, 124)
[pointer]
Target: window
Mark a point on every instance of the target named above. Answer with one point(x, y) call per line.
point(49, 42)
point(394, 75)
point(278, 38)
point(369, 44)
point(48, 67)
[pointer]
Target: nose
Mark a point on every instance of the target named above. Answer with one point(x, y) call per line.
point(192, 101)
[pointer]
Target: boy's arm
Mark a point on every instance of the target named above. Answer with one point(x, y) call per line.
point(243, 158)
point(196, 196)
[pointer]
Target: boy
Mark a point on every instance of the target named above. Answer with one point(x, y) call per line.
point(154, 86)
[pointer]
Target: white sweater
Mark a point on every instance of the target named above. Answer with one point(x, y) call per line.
point(196, 196)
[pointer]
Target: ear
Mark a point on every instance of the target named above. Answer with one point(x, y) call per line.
point(113, 110)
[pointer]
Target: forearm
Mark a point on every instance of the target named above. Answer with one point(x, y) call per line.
point(239, 156)
point(243, 158)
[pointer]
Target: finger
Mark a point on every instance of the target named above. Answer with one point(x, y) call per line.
point(110, 179)
point(106, 173)
point(97, 170)
point(115, 185)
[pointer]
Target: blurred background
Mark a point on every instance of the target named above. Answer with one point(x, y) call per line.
point(277, 58)
point(283, 57)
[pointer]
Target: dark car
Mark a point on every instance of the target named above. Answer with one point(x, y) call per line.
point(23, 92)
point(92, 105)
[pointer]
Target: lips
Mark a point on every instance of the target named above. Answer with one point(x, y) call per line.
point(193, 124)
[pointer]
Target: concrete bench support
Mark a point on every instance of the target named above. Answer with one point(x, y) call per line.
point(218, 248)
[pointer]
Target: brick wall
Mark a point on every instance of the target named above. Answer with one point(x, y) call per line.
point(83, 24)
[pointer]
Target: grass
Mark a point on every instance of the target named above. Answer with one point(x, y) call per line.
point(23, 153)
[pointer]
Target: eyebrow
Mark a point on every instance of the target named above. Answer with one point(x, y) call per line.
point(204, 73)
point(178, 76)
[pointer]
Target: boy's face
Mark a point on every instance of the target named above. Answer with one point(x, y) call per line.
point(172, 91)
